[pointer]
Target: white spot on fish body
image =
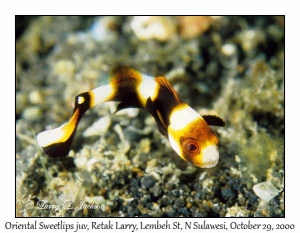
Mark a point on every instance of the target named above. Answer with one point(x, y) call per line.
point(80, 100)
point(182, 116)
point(147, 88)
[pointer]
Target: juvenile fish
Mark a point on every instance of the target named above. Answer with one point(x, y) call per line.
point(189, 133)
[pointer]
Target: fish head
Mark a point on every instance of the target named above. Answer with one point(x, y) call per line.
point(195, 142)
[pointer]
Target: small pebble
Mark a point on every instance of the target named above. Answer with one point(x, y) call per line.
point(91, 164)
point(148, 182)
point(100, 127)
point(64, 68)
point(103, 29)
point(183, 211)
point(170, 211)
point(179, 203)
point(145, 144)
point(35, 97)
point(32, 113)
point(265, 190)
point(151, 165)
point(153, 27)
point(192, 26)
point(95, 199)
point(81, 162)
point(156, 190)
point(227, 193)
point(228, 49)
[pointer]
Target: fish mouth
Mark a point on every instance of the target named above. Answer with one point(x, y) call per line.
point(210, 157)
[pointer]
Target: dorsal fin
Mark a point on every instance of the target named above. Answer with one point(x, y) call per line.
point(214, 120)
point(164, 84)
point(122, 73)
point(124, 81)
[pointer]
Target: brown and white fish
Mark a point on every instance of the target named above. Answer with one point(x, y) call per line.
point(188, 132)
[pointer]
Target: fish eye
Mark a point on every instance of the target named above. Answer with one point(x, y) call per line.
point(191, 146)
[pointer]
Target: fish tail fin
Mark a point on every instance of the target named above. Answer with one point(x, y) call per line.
point(57, 142)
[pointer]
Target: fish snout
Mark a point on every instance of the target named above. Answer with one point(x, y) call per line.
point(210, 157)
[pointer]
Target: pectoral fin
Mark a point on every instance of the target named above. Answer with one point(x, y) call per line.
point(213, 120)
point(124, 105)
point(150, 107)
